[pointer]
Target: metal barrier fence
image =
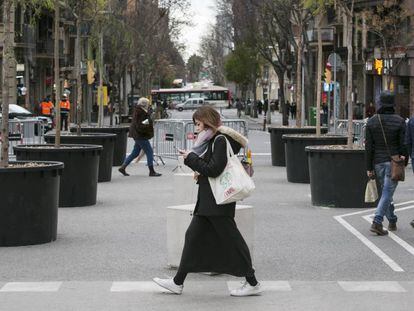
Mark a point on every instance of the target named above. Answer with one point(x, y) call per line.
point(25, 131)
point(358, 130)
point(173, 134)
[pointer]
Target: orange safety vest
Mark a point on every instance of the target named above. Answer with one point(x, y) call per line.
point(46, 108)
point(64, 105)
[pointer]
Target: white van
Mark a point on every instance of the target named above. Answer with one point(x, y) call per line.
point(191, 103)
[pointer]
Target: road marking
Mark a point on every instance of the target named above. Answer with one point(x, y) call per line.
point(31, 287)
point(386, 287)
point(145, 287)
point(385, 258)
point(373, 209)
point(393, 236)
point(268, 286)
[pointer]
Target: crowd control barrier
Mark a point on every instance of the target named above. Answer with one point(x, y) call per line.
point(358, 130)
point(25, 131)
point(173, 134)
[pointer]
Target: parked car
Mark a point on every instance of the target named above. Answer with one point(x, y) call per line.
point(191, 103)
point(18, 112)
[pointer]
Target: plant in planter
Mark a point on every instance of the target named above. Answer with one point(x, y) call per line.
point(337, 172)
point(29, 190)
point(78, 185)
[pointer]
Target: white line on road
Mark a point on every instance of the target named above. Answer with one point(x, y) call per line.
point(268, 286)
point(391, 263)
point(394, 237)
point(373, 209)
point(386, 287)
point(145, 287)
point(31, 287)
point(261, 154)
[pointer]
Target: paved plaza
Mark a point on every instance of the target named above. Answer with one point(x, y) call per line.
point(308, 258)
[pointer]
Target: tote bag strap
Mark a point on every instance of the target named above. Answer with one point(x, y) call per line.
point(229, 152)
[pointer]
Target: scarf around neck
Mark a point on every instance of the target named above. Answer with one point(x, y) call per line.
point(201, 144)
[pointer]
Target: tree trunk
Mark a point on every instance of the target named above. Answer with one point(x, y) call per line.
point(78, 75)
point(8, 60)
point(57, 73)
point(100, 90)
point(299, 79)
point(319, 80)
point(349, 83)
point(124, 92)
point(282, 102)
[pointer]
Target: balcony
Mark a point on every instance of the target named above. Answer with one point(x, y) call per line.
point(45, 48)
point(24, 38)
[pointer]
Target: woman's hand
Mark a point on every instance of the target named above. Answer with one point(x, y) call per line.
point(184, 153)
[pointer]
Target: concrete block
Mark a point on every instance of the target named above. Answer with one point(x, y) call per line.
point(179, 218)
point(185, 188)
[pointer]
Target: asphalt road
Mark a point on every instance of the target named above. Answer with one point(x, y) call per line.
point(305, 256)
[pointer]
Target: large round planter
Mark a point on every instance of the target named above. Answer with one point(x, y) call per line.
point(120, 141)
point(297, 168)
point(107, 141)
point(29, 203)
point(337, 176)
point(278, 146)
point(79, 180)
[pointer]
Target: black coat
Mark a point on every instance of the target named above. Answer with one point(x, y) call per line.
point(137, 129)
point(211, 165)
point(375, 147)
point(409, 138)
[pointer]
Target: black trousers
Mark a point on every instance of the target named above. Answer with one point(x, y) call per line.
point(214, 244)
point(64, 119)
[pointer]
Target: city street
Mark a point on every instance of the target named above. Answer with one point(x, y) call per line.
point(307, 258)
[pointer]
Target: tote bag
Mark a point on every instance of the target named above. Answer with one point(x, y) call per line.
point(371, 192)
point(233, 184)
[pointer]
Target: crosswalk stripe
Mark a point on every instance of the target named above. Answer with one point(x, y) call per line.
point(268, 286)
point(31, 287)
point(387, 287)
point(143, 287)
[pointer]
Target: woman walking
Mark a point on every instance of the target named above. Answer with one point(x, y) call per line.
point(213, 242)
point(141, 130)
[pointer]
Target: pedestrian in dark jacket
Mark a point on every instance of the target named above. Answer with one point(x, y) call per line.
point(141, 130)
point(409, 141)
point(212, 241)
point(378, 157)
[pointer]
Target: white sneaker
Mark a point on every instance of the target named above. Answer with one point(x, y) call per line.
point(169, 285)
point(247, 290)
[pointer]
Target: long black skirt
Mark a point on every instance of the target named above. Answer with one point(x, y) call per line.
point(214, 244)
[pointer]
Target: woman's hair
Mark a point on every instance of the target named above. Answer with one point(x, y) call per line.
point(209, 116)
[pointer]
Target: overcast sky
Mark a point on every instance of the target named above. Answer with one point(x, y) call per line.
point(202, 14)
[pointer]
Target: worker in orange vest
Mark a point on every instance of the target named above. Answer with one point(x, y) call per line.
point(64, 111)
point(46, 107)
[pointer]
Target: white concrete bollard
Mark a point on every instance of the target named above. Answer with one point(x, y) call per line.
point(179, 218)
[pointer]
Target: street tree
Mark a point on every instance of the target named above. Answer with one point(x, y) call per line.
point(194, 68)
point(389, 21)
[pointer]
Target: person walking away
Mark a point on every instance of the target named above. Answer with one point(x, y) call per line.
point(409, 141)
point(266, 106)
point(141, 130)
point(239, 107)
point(259, 106)
point(64, 111)
point(212, 241)
point(378, 161)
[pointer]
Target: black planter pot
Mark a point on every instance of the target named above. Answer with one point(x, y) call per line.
point(107, 141)
point(29, 203)
point(337, 176)
point(79, 180)
point(278, 146)
point(297, 167)
point(120, 141)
